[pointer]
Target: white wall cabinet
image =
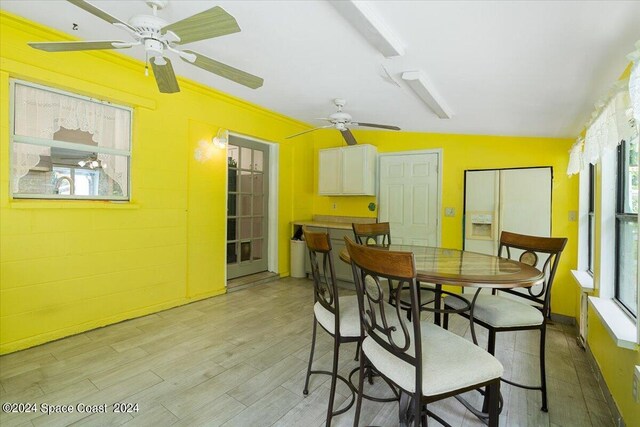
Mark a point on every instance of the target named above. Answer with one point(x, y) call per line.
point(347, 171)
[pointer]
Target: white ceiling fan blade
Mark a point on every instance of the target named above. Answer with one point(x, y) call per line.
point(165, 77)
point(307, 131)
point(97, 12)
point(211, 23)
point(224, 70)
point(86, 45)
point(373, 125)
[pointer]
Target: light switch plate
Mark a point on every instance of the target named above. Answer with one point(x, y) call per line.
point(573, 216)
point(449, 211)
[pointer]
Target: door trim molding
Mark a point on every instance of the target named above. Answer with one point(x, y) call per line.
point(438, 152)
point(272, 209)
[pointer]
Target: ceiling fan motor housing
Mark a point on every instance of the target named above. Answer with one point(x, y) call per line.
point(148, 27)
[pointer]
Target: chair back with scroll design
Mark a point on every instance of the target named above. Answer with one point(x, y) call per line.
point(325, 289)
point(336, 315)
point(376, 234)
point(549, 249)
point(375, 271)
point(383, 322)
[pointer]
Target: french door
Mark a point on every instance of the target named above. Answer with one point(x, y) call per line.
point(247, 198)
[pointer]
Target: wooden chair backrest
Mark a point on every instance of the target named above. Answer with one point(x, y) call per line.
point(376, 234)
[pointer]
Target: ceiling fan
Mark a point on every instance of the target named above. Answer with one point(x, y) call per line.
point(342, 121)
point(157, 37)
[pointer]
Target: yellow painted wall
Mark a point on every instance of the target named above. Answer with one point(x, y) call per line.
point(460, 152)
point(616, 365)
point(66, 267)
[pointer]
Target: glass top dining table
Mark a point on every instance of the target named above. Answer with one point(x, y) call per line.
point(463, 268)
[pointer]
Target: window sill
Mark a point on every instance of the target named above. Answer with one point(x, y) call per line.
point(72, 204)
point(584, 280)
point(621, 328)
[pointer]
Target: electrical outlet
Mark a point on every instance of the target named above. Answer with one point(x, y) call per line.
point(636, 380)
point(449, 211)
point(573, 216)
point(334, 206)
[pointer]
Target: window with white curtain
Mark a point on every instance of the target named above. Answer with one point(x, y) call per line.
point(66, 146)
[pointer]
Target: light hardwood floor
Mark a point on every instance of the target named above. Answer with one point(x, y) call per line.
point(240, 360)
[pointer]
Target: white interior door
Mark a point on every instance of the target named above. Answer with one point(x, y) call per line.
point(409, 197)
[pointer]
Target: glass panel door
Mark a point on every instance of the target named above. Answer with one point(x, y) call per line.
point(247, 195)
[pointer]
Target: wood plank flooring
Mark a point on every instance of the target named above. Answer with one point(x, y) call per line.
point(239, 360)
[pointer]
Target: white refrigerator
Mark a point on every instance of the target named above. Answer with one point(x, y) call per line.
point(516, 200)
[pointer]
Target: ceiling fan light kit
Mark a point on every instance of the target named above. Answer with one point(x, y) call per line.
point(419, 83)
point(157, 37)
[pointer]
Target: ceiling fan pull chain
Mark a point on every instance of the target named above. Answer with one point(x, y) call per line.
point(146, 64)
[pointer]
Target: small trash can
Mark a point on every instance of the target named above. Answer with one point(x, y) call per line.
point(297, 258)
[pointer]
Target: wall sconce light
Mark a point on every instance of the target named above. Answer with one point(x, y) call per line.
point(221, 140)
point(206, 149)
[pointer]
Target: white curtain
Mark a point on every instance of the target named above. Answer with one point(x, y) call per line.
point(575, 157)
point(610, 127)
point(615, 120)
point(41, 113)
point(634, 83)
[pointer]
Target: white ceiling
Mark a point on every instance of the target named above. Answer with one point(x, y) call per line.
point(531, 68)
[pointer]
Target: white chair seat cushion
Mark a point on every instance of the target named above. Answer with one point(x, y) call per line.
point(349, 317)
point(499, 311)
point(449, 362)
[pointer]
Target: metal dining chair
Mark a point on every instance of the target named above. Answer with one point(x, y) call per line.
point(338, 316)
point(518, 309)
point(426, 362)
point(379, 234)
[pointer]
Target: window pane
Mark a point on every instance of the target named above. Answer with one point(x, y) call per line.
point(630, 184)
point(245, 158)
point(232, 231)
point(257, 227)
point(627, 288)
point(258, 183)
point(50, 171)
point(257, 249)
point(245, 228)
point(232, 153)
point(232, 204)
point(245, 182)
point(232, 253)
point(257, 160)
point(233, 180)
point(258, 205)
point(592, 242)
point(245, 251)
point(245, 205)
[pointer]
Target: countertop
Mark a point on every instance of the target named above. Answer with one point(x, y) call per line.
point(335, 222)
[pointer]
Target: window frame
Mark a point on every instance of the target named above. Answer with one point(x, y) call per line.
point(591, 220)
point(13, 138)
point(620, 216)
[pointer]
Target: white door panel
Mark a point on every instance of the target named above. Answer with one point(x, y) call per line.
point(408, 197)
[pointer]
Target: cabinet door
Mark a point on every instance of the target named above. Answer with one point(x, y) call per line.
point(342, 269)
point(330, 171)
point(358, 170)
